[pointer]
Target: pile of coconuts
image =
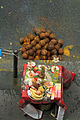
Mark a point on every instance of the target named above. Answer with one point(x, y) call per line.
point(41, 45)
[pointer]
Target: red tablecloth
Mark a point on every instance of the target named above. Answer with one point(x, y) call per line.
point(65, 77)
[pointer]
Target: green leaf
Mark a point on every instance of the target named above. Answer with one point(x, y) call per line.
point(36, 76)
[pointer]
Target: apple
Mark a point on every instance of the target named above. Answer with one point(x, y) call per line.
point(38, 92)
point(35, 78)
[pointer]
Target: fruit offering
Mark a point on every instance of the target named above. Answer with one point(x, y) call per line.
point(42, 83)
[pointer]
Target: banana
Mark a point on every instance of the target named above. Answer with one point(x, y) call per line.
point(36, 97)
point(32, 90)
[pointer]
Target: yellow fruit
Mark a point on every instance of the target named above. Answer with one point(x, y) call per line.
point(36, 97)
point(32, 90)
point(41, 89)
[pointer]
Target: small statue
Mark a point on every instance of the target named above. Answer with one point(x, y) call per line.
point(42, 72)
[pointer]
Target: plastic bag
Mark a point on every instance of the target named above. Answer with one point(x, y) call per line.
point(67, 77)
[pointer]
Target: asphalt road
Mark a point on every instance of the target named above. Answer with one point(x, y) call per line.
point(17, 18)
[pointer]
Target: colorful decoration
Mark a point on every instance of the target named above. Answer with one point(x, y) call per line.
point(41, 82)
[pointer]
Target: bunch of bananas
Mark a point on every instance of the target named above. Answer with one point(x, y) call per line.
point(34, 94)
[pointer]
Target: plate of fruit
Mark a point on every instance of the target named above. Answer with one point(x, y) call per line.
point(36, 94)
